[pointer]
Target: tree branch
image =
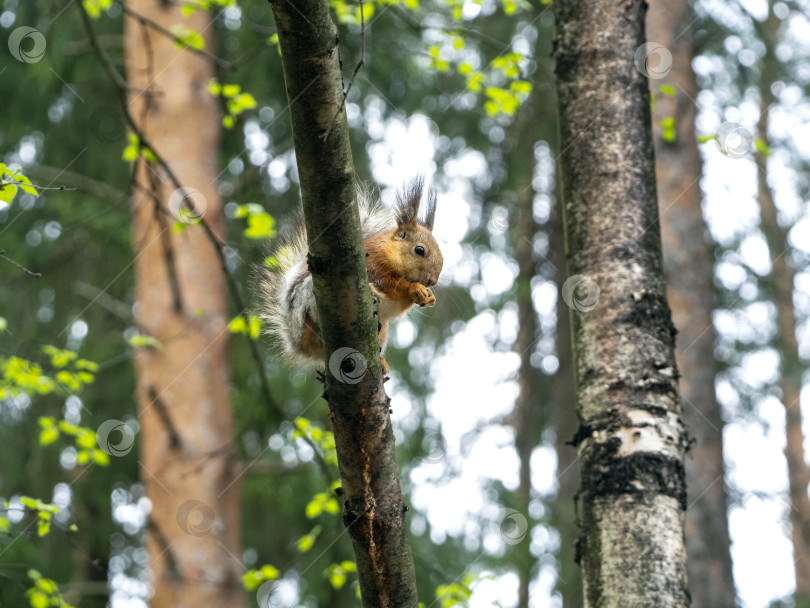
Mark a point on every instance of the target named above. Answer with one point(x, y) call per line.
point(373, 511)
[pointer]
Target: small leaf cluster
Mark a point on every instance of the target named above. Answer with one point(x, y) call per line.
point(336, 574)
point(18, 375)
point(94, 8)
point(44, 511)
point(505, 91)
point(136, 150)
point(457, 593)
point(11, 181)
point(185, 36)
point(237, 101)
point(44, 593)
point(250, 326)
point(260, 224)
point(253, 579)
point(84, 437)
point(189, 7)
point(324, 439)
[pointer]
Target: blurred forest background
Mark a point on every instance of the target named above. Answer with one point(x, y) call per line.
point(481, 385)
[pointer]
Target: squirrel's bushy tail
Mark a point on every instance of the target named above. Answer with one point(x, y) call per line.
point(286, 292)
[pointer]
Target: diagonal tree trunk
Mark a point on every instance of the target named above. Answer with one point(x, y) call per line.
point(194, 528)
point(781, 287)
point(631, 437)
point(688, 262)
point(373, 510)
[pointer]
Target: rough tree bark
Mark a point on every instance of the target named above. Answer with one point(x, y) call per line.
point(374, 514)
point(688, 263)
point(631, 438)
point(194, 528)
point(781, 288)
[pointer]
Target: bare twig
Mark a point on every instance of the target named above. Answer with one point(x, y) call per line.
point(359, 65)
point(20, 266)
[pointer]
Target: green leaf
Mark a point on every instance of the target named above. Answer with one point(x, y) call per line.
point(269, 572)
point(43, 527)
point(762, 147)
point(48, 436)
point(185, 36)
point(146, 341)
point(668, 90)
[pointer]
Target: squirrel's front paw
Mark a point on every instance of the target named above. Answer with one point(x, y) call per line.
point(422, 295)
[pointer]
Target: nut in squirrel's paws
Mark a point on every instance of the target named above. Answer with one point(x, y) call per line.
point(422, 295)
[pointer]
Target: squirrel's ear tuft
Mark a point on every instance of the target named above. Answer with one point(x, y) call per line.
point(408, 200)
point(431, 209)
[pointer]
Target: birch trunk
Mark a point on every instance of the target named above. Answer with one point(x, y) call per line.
point(374, 514)
point(688, 262)
point(631, 438)
point(194, 528)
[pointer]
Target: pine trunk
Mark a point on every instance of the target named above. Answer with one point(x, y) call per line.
point(631, 437)
point(194, 529)
point(374, 513)
point(688, 263)
point(791, 368)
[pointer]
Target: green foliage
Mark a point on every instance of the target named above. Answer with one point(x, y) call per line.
point(44, 512)
point(18, 375)
point(146, 342)
point(94, 8)
point(187, 37)
point(11, 182)
point(253, 579)
point(189, 7)
point(322, 438)
point(337, 574)
point(322, 502)
point(260, 224)
point(84, 438)
point(135, 150)
point(668, 131)
point(236, 101)
point(762, 147)
point(251, 327)
point(457, 593)
point(668, 90)
point(307, 541)
point(44, 592)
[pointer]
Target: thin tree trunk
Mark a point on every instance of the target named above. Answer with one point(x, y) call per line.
point(631, 437)
point(791, 367)
point(528, 414)
point(373, 510)
point(688, 262)
point(569, 579)
point(194, 527)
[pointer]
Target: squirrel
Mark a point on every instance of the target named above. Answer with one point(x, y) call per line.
point(403, 262)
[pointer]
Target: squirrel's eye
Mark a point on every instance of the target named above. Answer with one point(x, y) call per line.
point(419, 250)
